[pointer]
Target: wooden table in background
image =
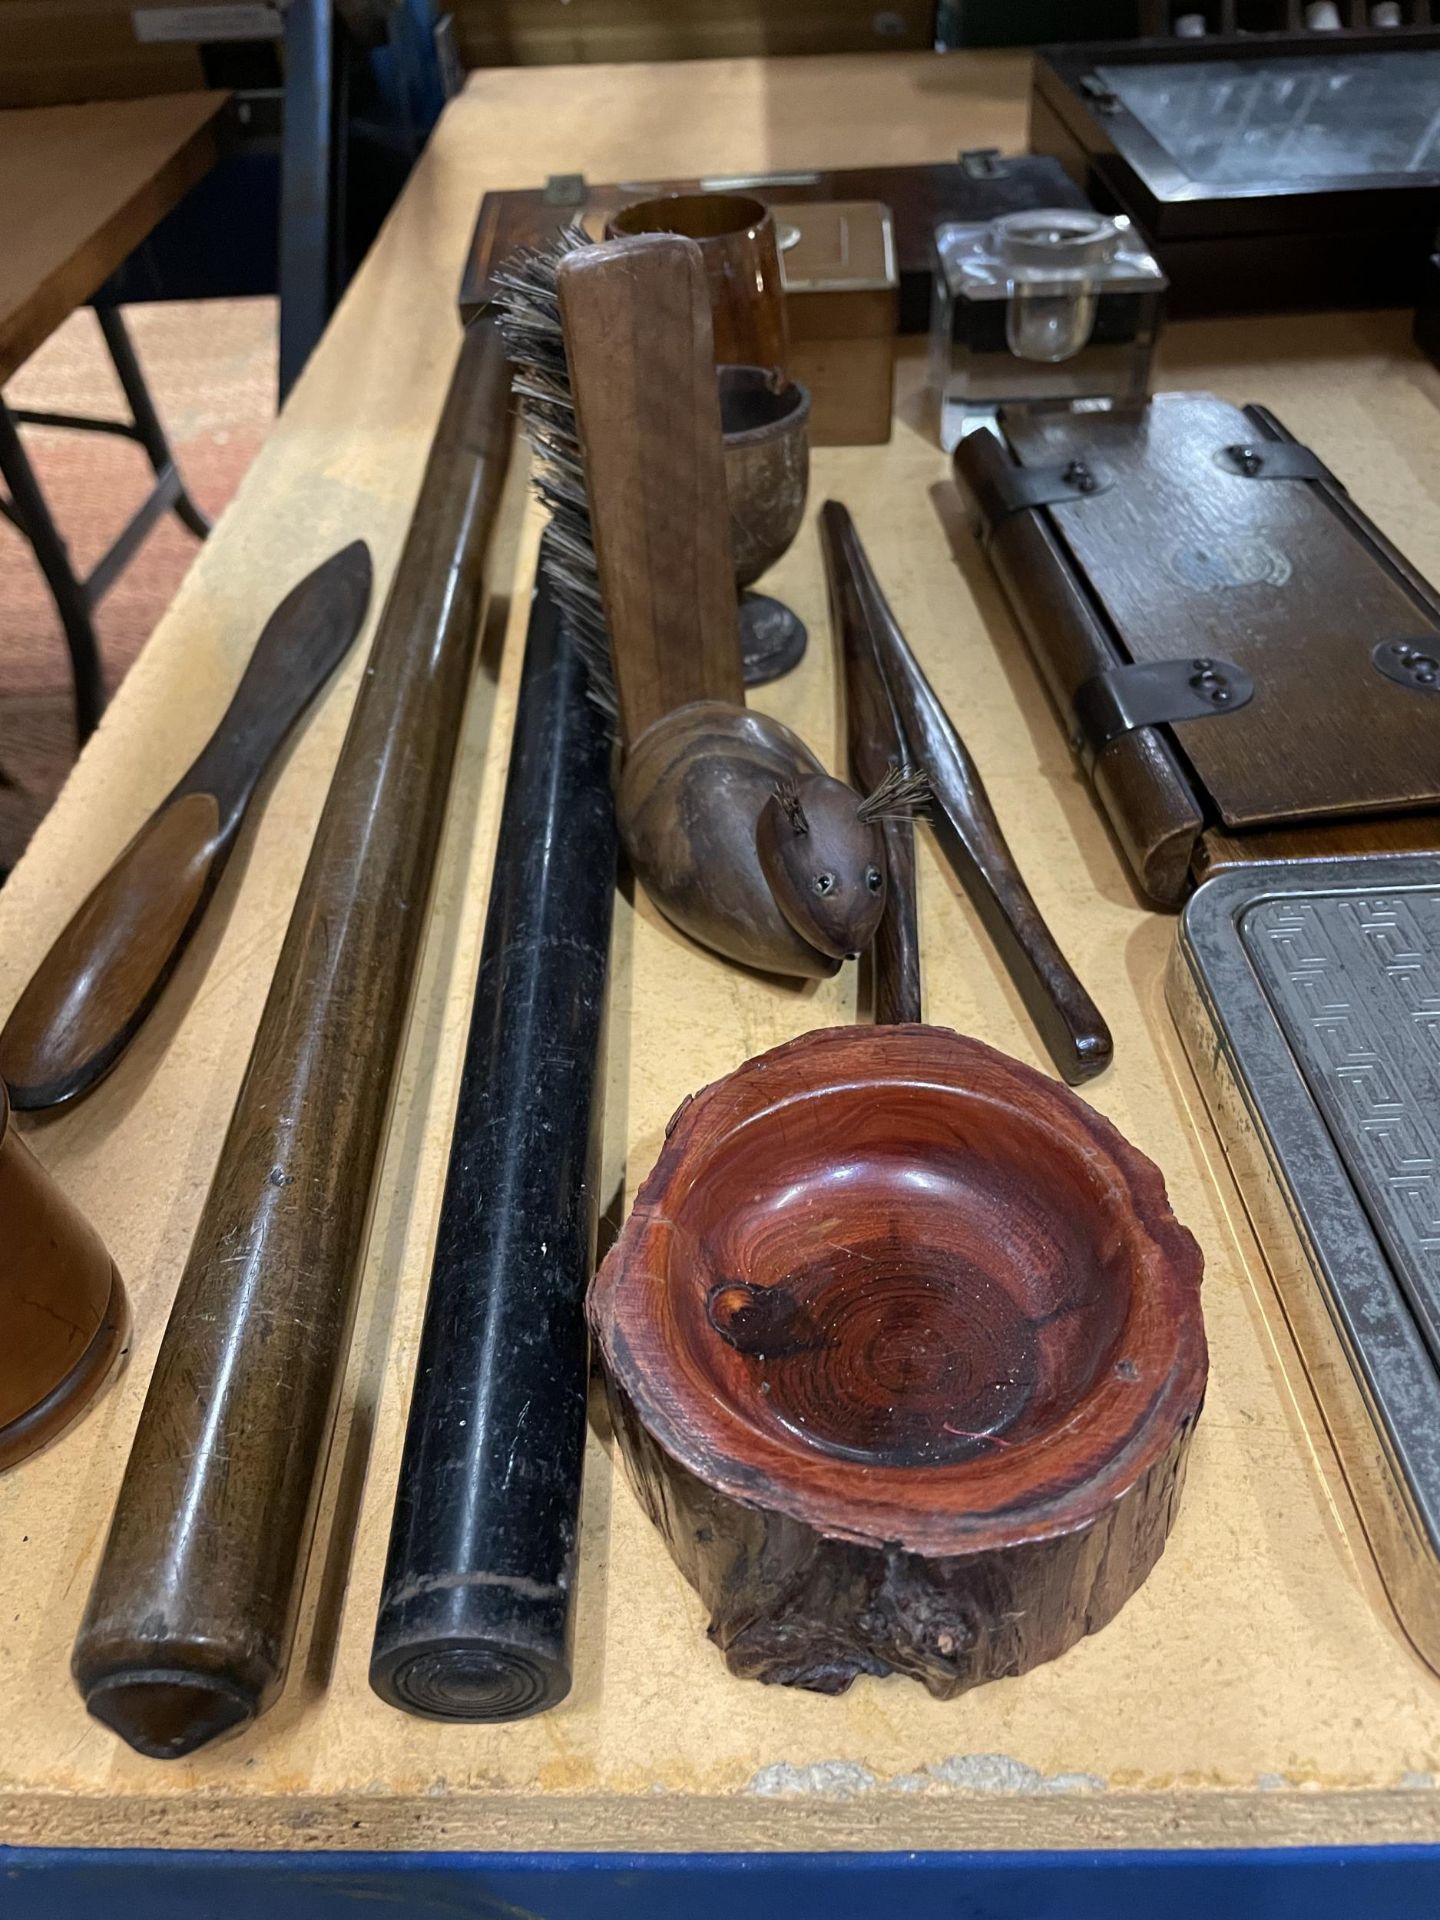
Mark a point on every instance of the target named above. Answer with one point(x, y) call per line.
point(1256, 1694)
point(80, 187)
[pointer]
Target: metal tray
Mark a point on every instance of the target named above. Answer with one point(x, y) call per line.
point(1308, 997)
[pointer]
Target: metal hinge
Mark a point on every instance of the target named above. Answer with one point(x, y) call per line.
point(1272, 460)
point(1153, 693)
point(565, 190)
point(1016, 489)
point(983, 163)
point(1102, 97)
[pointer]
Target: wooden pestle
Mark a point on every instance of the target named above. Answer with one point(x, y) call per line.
point(192, 1613)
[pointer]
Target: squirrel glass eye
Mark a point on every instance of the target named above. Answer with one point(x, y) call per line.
point(824, 882)
point(872, 879)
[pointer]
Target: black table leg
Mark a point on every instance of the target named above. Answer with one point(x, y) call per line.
point(27, 510)
point(148, 430)
point(32, 516)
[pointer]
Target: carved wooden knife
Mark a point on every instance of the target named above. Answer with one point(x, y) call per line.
point(100, 979)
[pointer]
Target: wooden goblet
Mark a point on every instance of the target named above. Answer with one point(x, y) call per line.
point(766, 429)
point(904, 1350)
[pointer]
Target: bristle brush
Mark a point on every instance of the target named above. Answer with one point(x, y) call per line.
point(614, 368)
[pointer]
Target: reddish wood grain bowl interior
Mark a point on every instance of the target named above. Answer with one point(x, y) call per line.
point(904, 1288)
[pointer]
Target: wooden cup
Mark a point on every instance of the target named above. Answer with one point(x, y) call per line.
point(63, 1314)
point(736, 237)
point(767, 465)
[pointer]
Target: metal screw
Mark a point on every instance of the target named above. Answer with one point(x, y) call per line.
point(1247, 459)
point(1423, 668)
point(1409, 664)
point(1079, 476)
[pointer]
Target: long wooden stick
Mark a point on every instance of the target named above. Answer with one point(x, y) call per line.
point(192, 1612)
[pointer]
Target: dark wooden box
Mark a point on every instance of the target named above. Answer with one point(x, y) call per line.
point(976, 186)
point(1192, 537)
point(1303, 229)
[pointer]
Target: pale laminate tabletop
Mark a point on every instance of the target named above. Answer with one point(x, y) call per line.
point(1257, 1691)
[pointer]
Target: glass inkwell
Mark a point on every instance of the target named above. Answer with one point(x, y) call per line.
point(1046, 307)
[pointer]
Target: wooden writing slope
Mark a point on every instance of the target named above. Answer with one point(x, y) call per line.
point(1256, 1693)
point(1210, 535)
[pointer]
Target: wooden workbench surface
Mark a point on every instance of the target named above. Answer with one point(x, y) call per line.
point(1257, 1691)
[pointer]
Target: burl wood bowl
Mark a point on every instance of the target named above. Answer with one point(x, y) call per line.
point(904, 1350)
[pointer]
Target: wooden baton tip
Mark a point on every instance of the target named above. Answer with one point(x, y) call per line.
point(192, 1613)
point(166, 1715)
point(946, 1435)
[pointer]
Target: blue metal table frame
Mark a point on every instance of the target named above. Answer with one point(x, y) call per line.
point(1376, 1883)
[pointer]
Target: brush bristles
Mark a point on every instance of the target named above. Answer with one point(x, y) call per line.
point(787, 792)
point(903, 794)
point(527, 305)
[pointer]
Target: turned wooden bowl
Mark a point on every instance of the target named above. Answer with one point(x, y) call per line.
point(905, 1349)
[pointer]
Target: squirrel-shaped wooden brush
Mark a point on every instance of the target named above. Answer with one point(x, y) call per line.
point(736, 830)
